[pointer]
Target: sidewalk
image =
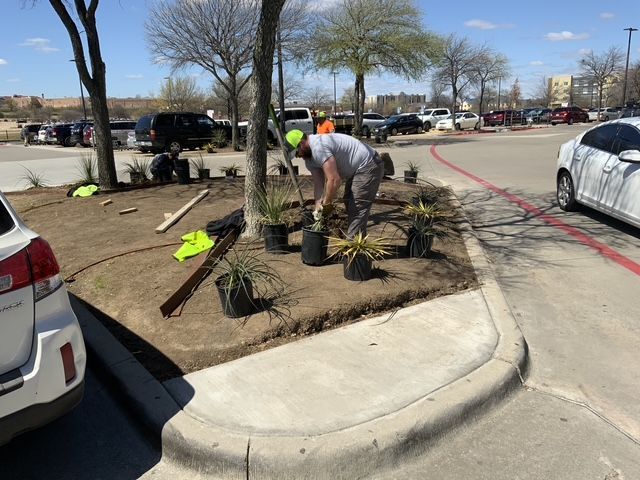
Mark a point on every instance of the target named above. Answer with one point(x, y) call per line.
point(342, 404)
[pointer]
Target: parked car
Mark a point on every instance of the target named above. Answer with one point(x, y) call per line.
point(568, 115)
point(600, 168)
point(631, 110)
point(299, 118)
point(176, 130)
point(431, 117)
point(60, 134)
point(30, 130)
point(77, 133)
point(346, 123)
point(504, 117)
point(405, 123)
point(119, 132)
point(131, 139)
point(42, 353)
point(606, 114)
point(87, 133)
point(538, 115)
point(463, 120)
point(42, 133)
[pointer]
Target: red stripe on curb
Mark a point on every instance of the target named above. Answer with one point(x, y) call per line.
point(601, 248)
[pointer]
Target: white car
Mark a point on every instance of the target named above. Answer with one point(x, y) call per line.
point(42, 134)
point(600, 168)
point(606, 114)
point(42, 353)
point(463, 120)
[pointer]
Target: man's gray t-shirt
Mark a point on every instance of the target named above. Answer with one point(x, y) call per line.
point(350, 154)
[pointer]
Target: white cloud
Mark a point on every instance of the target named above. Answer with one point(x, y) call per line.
point(134, 76)
point(39, 44)
point(607, 15)
point(565, 35)
point(3, 61)
point(481, 24)
point(536, 63)
point(584, 51)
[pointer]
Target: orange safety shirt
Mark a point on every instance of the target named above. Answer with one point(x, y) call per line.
point(326, 127)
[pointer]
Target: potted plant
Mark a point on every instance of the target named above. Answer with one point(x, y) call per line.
point(230, 171)
point(411, 174)
point(430, 194)
point(240, 274)
point(422, 229)
point(138, 170)
point(280, 167)
point(274, 201)
point(219, 139)
point(358, 254)
point(315, 239)
point(210, 148)
point(201, 167)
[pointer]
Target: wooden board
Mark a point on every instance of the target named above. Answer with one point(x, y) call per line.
point(198, 273)
point(128, 210)
point(166, 225)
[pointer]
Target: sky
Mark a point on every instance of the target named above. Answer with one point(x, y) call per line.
point(540, 38)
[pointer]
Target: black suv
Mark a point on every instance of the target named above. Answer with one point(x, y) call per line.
point(406, 123)
point(77, 133)
point(160, 132)
point(31, 130)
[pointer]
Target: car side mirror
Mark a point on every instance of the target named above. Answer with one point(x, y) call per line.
point(631, 156)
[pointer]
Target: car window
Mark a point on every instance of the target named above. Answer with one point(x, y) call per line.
point(601, 137)
point(468, 115)
point(184, 121)
point(627, 138)
point(204, 120)
point(6, 222)
point(301, 114)
point(164, 121)
point(440, 112)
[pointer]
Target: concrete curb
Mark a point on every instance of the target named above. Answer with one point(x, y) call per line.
point(351, 453)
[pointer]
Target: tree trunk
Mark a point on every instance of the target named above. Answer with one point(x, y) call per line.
point(361, 106)
point(234, 114)
point(454, 101)
point(283, 113)
point(481, 99)
point(261, 96)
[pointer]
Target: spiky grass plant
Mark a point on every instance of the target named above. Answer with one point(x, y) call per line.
point(350, 248)
point(233, 169)
point(274, 200)
point(138, 166)
point(199, 162)
point(33, 179)
point(412, 167)
point(219, 139)
point(88, 168)
point(425, 212)
point(431, 194)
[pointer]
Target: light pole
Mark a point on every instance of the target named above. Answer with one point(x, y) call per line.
point(84, 107)
point(169, 92)
point(335, 109)
point(499, 81)
point(626, 68)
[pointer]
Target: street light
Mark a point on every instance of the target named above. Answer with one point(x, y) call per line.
point(84, 107)
point(335, 109)
point(626, 68)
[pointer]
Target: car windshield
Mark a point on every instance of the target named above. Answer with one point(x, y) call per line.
point(428, 112)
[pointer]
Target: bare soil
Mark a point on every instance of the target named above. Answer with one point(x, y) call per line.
point(127, 291)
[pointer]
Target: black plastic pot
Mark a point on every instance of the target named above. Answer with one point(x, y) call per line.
point(410, 177)
point(238, 301)
point(231, 173)
point(419, 245)
point(203, 173)
point(276, 238)
point(182, 170)
point(358, 269)
point(137, 178)
point(314, 247)
point(285, 171)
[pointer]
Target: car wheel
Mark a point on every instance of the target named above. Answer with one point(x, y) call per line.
point(365, 131)
point(476, 126)
point(394, 131)
point(458, 127)
point(570, 121)
point(427, 126)
point(174, 145)
point(419, 130)
point(67, 142)
point(606, 119)
point(565, 193)
point(553, 124)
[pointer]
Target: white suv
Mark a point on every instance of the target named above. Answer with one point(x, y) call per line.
point(42, 354)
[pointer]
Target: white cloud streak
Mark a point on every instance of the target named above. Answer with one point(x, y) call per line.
point(134, 76)
point(3, 61)
point(481, 24)
point(565, 36)
point(536, 63)
point(39, 45)
point(607, 15)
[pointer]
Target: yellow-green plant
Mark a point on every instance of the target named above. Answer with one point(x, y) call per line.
point(350, 248)
point(274, 200)
point(425, 212)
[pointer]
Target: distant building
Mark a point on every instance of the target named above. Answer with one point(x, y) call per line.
point(410, 102)
point(560, 88)
point(582, 91)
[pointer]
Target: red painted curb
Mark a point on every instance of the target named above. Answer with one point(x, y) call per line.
point(601, 248)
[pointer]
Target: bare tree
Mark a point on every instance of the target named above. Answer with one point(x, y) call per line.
point(293, 88)
point(221, 101)
point(317, 98)
point(602, 67)
point(544, 92)
point(347, 101)
point(488, 67)
point(181, 94)
point(456, 67)
point(438, 97)
point(216, 35)
point(515, 94)
point(370, 36)
point(95, 82)
point(265, 38)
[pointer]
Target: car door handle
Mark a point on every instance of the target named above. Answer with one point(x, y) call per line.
point(607, 169)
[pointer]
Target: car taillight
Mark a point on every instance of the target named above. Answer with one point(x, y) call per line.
point(68, 363)
point(15, 272)
point(44, 268)
point(152, 135)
